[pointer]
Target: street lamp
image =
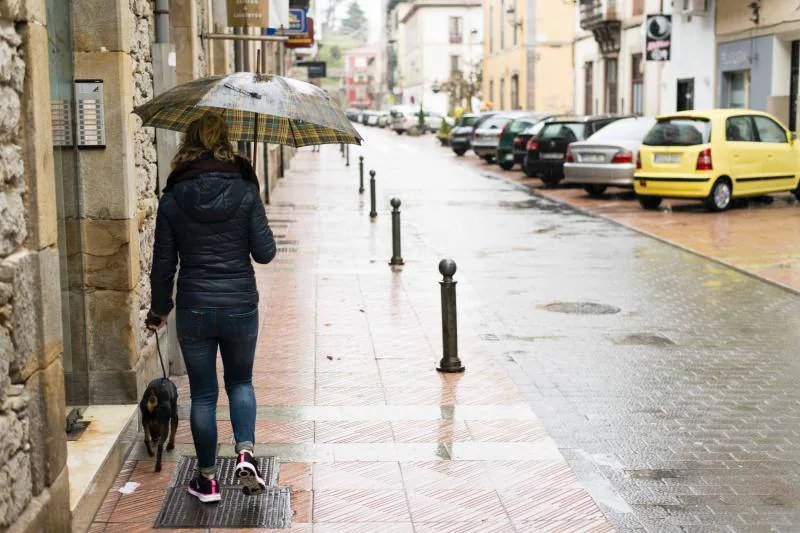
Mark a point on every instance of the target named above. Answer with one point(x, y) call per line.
point(436, 88)
point(511, 14)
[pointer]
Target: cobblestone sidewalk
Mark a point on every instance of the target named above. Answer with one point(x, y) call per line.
point(369, 435)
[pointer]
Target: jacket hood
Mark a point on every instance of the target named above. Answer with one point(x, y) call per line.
point(211, 197)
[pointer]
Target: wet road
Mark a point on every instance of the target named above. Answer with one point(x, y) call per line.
point(680, 411)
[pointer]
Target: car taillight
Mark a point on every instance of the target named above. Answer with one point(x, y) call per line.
point(638, 160)
point(570, 158)
point(533, 146)
point(623, 156)
point(704, 160)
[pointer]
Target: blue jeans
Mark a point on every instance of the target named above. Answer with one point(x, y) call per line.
point(235, 332)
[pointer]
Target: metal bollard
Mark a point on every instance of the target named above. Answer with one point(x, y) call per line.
point(341, 149)
point(347, 154)
point(372, 212)
point(397, 259)
point(450, 362)
point(361, 174)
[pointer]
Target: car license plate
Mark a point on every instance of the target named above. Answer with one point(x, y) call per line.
point(592, 158)
point(509, 157)
point(552, 156)
point(671, 159)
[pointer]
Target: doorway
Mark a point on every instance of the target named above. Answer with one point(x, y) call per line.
point(685, 95)
point(793, 82)
point(68, 202)
point(737, 89)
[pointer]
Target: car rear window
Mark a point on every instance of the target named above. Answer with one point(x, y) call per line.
point(570, 131)
point(467, 121)
point(626, 129)
point(518, 125)
point(679, 132)
point(495, 123)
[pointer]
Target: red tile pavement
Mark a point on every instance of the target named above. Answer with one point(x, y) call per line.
point(349, 397)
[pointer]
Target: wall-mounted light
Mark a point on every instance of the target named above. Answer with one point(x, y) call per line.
point(511, 15)
point(755, 8)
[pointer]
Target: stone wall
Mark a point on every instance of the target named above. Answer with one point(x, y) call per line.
point(32, 418)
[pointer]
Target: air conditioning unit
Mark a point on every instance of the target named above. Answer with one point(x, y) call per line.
point(694, 7)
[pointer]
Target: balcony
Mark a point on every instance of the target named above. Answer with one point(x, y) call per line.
point(595, 12)
point(601, 18)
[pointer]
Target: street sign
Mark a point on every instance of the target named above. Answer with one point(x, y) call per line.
point(245, 13)
point(302, 40)
point(316, 69)
point(658, 37)
point(298, 21)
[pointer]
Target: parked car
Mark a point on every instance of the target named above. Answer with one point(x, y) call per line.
point(485, 115)
point(716, 156)
point(433, 120)
point(353, 114)
point(521, 140)
point(505, 146)
point(403, 117)
point(460, 136)
point(383, 119)
point(371, 118)
point(486, 136)
point(546, 151)
point(608, 157)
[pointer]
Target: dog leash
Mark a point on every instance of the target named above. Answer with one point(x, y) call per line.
point(160, 357)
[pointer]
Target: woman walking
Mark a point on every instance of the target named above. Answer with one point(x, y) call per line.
point(212, 219)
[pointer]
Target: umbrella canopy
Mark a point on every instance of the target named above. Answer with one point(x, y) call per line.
point(261, 108)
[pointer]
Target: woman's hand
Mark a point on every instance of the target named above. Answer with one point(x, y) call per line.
point(155, 322)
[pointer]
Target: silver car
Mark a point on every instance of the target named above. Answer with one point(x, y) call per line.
point(607, 158)
point(486, 138)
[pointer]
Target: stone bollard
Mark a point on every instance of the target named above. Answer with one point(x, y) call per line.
point(450, 362)
point(372, 212)
point(397, 258)
point(347, 154)
point(361, 174)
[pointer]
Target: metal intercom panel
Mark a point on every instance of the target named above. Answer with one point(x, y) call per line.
point(61, 119)
point(91, 113)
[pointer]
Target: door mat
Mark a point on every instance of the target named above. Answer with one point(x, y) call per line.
point(187, 469)
point(269, 510)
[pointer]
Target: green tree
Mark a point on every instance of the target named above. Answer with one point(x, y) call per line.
point(355, 22)
point(336, 53)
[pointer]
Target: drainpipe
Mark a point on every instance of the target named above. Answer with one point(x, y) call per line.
point(162, 21)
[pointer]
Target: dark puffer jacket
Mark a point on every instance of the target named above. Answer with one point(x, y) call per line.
point(211, 217)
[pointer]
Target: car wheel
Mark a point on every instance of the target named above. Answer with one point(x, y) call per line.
point(506, 165)
point(551, 183)
point(488, 158)
point(796, 192)
point(460, 153)
point(595, 191)
point(399, 132)
point(650, 202)
point(528, 170)
point(719, 199)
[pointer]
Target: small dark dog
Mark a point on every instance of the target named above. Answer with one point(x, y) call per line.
point(159, 407)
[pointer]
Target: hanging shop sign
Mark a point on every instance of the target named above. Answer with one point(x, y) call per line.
point(302, 40)
point(658, 37)
point(248, 13)
point(316, 69)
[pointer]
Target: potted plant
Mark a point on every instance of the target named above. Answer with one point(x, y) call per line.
point(444, 133)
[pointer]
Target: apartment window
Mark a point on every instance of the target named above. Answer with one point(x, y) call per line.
point(515, 91)
point(455, 64)
point(491, 91)
point(502, 25)
point(502, 98)
point(456, 29)
point(588, 87)
point(637, 85)
point(685, 95)
point(638, 7)
point(611, 85)
point(491, 29)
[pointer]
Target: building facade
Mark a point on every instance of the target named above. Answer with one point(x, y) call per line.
point(758, 56)
point(437, 40)
point(527, 54)
point(79, 188)
point(360, 76)
point(612, 74)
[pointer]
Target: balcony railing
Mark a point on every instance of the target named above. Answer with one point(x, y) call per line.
point(594, 12)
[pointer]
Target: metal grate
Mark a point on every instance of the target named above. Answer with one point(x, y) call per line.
point(582, 308)
point(269, 510)
point(187, 469)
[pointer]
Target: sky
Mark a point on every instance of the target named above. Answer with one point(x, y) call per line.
point(372, 8)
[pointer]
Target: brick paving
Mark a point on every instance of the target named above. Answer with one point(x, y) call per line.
point(369, 435)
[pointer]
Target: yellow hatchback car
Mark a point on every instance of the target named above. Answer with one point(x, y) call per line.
point(716, 156)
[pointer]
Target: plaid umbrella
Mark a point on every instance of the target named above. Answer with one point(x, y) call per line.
point(261, 108)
